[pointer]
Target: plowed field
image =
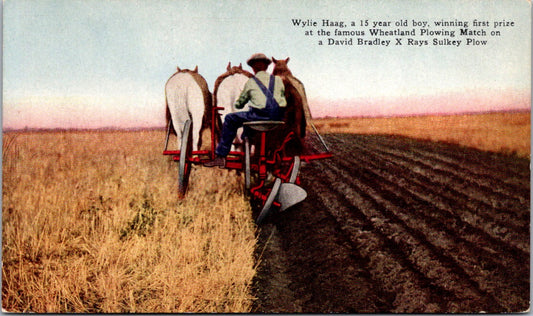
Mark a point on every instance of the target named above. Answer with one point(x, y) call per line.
point(392, 224)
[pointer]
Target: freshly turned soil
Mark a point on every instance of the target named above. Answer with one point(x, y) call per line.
point(396, 225)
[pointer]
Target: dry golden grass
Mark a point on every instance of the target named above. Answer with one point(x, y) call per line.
point(498, 132)
point(92, 223)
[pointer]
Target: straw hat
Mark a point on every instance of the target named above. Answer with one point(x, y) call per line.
point(257, 57)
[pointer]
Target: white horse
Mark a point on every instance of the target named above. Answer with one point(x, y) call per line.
point(188, 97)
point(227, 90)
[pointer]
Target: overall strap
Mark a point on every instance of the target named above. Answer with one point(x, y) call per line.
point(269, 93)
point(271, 85)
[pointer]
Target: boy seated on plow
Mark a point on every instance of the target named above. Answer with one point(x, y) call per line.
point(265, 95)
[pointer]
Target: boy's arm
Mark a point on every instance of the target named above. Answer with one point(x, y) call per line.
point(243, 98)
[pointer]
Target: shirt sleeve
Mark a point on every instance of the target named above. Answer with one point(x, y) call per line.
point(282, 102)
point(244, 97)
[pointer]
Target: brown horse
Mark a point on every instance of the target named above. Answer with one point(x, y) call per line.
point(188, 97)
point(297, 111)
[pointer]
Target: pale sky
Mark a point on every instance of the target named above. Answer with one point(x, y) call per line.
point(92, 63)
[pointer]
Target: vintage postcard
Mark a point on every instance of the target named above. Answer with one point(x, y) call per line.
point(273, 156)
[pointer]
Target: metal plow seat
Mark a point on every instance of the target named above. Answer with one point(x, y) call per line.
point(263, 126)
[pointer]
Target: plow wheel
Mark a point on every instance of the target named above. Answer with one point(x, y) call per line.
point(185, 159)
point(295, 169)
point(247, 168)
point(269, 201)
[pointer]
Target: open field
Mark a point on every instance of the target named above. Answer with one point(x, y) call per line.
point(92, 223)
point(505, 132)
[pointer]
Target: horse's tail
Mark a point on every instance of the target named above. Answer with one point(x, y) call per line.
point(208, 107)
point(208, 104)
point(218, 121)
point(207, 119)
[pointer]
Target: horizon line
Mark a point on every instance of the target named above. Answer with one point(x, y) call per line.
point(162, 127)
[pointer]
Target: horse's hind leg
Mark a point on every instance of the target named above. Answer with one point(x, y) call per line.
point(179, 116)
point(196, 129)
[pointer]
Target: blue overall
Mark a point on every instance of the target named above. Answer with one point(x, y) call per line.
point(233, 121)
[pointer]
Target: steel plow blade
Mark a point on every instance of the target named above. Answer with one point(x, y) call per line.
point(290, 194)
